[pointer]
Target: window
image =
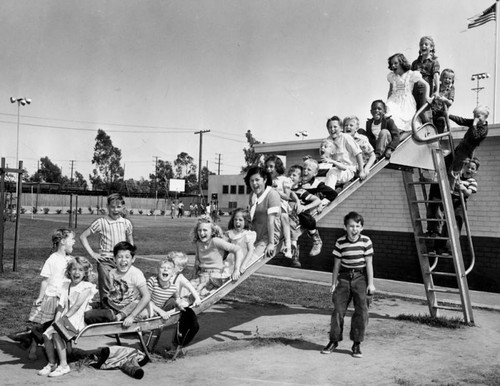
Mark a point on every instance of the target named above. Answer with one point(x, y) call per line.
point(241, 189)
point(225, 189)
point(233, 189)
point(233, 204)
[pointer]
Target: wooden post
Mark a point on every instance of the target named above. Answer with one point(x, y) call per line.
point(70, 210)
point(76, 212)
point(2, 211)
point(18, 212)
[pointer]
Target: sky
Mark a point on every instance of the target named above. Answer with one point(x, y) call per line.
point(152, 73)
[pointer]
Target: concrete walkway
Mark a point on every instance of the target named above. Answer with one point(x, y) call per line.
point(407, 290)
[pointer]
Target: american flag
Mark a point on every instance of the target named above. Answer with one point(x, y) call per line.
point(487, 15)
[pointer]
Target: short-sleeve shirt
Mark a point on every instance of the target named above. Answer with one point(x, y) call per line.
point(346, 150)
point(427, 67)
point(268, 203)
point(448, 93)
point(364, 145)
point(210, 255)
point(112, 231)
point(124, 288)
point(353, 254)
point(160, 295)
point(54, 269)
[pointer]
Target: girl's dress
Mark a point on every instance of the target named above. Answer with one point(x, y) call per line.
point(54, 270)
point(69, 297)
point(245, 241)
point(401, 104)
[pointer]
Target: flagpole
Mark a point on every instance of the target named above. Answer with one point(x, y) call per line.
point(496, 65)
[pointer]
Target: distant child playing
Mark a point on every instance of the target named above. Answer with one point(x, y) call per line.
point(274, 166)
point(72, 305)
point(352, 279)
point(128, 295)
point(382, 132)
point(209, 262)
point(240, 233)
point(401, 105)
point(112, 229)
point(52, 287)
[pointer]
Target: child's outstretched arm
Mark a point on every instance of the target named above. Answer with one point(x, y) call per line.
point(143, 302)
point(185, 283)
point(84, 240)
point(250, 250)
point(238, 259)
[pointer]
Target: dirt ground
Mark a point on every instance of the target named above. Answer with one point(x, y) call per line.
point(252, 344)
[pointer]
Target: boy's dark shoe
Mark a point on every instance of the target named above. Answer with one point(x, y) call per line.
point(356, 351)
point(330, 347)
point(295, 257)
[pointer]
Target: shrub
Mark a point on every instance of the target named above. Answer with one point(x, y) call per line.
point(162, 212)
point(151, 212)
point(79, 210)
point(45, 210)
point(91, 211)
point(140, 211)
point(68, 211)
point(23, 211)
point(34, 210)
point(131, 211)
point(58, 211)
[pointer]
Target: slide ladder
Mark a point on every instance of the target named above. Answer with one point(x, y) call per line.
point(418, 203)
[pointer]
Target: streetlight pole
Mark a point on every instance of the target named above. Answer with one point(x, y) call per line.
point(20, 102)
point(477, 89)
point(302, 133)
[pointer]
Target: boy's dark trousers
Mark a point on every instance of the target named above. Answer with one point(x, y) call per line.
point(352, 284)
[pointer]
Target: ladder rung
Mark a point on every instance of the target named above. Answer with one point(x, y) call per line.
point(427, 202)
point(422, 183)
point(431, 219)
point(436, 255)
point(424, 237)
point(450, 308)
point(443, 273)
point(445, 291)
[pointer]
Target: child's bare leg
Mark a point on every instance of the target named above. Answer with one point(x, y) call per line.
point(49, 349)
point(32, 350)
point(285, 224)
point(61, 350)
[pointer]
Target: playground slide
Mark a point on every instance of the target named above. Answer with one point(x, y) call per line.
point(409, 153)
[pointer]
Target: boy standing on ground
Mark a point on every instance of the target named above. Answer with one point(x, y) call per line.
point(112, 229)
point(352, 279)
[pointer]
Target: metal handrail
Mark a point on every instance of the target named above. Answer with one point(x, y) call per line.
point(469, 235)
point(432, 138)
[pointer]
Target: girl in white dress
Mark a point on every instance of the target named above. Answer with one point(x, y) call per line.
point(73, 303)
point(401, 104)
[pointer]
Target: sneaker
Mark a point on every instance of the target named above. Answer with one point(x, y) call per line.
point(330, 347)
point(60, 370)
point(356, 351)
point(47, 369)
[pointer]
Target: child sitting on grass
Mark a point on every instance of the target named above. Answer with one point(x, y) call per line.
point(128, 296)
point(209, 261)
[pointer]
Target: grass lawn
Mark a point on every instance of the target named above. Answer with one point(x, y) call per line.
point(153, 236)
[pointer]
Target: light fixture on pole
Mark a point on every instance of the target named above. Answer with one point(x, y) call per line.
point(477, 89)
point(20, 102)
point(302, 134)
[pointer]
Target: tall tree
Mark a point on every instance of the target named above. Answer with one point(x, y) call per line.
point(184, 165)
point(108, 173)
point(79, 180)
point(204, 177)
point(48, 172)
point(164, 172)
point(251, 157)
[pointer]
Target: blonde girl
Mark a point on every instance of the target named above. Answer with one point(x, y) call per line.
point(240, 233)
point(54, 280)
point(209, 262)
point(72, 305)
point(282, 184)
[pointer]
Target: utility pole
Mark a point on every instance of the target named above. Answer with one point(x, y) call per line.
point(199, 157)
point(71, 179)
point(156, 174)
point(218, 163)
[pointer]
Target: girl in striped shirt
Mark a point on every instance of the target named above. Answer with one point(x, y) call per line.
point(165, 288)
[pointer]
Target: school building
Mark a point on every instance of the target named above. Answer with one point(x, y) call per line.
point(382, 202)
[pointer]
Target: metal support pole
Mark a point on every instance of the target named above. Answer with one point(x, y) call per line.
point(2, 211)
point(18, 220)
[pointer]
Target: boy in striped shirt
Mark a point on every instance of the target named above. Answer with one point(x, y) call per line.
point(112, 229)
point(352, 279)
